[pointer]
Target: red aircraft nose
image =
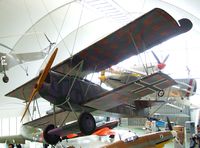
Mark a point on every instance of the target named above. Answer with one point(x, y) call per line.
point(161, 66)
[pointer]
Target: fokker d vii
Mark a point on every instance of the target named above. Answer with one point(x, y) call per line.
point(65, 87)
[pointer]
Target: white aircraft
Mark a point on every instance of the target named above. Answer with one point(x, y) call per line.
point(11, 59)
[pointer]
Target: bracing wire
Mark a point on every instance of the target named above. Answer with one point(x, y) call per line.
point(134, 44)
point(53, 22)
point(62, 24)
point(31, 20)
point(77, 30)
point(140, 58)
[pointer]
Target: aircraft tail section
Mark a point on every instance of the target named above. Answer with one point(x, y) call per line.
point(192, 89)
point(188, 87)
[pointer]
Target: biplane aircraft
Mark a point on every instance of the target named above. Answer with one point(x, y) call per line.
point(65, 87)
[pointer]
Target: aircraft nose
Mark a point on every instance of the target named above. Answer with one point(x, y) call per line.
point(45, 88)
point(48, 80)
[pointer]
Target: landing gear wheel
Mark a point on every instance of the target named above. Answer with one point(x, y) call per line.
point(161, 93)
point(86, 123)
point(50, 138)
point(5, 79)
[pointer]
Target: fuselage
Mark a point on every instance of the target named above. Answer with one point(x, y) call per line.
point(58, 89)
point(157, 139)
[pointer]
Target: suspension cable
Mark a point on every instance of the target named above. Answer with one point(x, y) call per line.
point(58, 31)
point(31, 20)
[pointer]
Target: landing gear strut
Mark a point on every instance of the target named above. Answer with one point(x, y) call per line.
point(5, 78)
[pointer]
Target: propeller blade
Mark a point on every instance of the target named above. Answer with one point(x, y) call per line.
point(169, 124)
point(40, 81)
point(157, 59)
point(166, 58)
point(46, 70)
point(102, 77)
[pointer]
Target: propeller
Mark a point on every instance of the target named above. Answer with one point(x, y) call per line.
point(102, 76)
point(161, 65)
point(40, 80)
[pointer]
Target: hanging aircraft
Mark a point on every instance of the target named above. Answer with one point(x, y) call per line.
point(120, 76)
point(65, 86)
point(11, 59)
point(183, 89)
point(178, 93)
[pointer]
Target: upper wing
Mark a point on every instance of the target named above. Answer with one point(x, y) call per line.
point(132, 91)
point(141, 34)
point(145, 32)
